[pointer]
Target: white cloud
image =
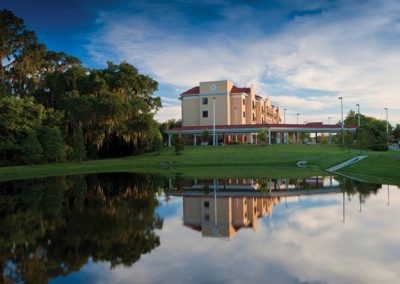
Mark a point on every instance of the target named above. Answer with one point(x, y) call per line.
point(351, 49)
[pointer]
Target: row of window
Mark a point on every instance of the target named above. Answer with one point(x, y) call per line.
point(205, 115)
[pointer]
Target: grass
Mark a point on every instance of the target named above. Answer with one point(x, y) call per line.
point(236, 161)
point(379, 167)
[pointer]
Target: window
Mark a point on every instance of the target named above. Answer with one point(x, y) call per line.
point(205, 113)
point(205, 101)
point(244, 101)
point(206, 217)
point(206, 204)
point(254, 117)
point(262, 109)
point(244, 114)
point(254, 104)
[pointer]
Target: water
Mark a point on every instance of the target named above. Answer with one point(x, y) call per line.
point(128, 228)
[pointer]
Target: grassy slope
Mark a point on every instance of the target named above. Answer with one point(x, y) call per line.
point(204, 162)
point(379, 167)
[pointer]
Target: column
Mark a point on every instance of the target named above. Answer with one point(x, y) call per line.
point(194, 140)
point(269, 137)
point(169, 140)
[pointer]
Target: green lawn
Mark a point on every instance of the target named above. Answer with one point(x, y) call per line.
point(239, 161)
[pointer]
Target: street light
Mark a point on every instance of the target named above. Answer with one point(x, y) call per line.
point(387, 126)
point(297, 117)
point(214, 121)
point(341, 108)
point(358, 105)
point(329, 120)
point(284, 116)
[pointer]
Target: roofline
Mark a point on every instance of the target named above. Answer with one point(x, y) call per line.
point(253, 128)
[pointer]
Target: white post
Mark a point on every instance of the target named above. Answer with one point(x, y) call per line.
point(387, 126)
point(169, 140)
point(341, 108)
point(284, 116)
point(194, 140)
point(214, 138)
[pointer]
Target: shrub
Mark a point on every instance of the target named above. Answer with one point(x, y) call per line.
point(379, 147)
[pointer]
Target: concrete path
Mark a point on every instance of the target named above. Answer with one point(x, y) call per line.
point(345, 164)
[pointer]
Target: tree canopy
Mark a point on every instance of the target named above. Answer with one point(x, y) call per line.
point(42, 90)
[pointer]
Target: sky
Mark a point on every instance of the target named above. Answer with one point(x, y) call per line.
point(304, 54)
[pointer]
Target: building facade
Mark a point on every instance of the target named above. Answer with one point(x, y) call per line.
point(233, 105)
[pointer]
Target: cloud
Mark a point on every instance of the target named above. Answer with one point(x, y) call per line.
point(349, 49)
point(307, 244)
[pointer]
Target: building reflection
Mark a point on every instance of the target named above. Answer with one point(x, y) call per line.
point(220, 208)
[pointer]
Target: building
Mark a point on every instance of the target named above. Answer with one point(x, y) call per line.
point(240, 115)
point(233, 105)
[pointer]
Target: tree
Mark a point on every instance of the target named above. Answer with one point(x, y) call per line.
point(262, 136)
point(304, 136)
point(52, 143)
point(348, 139)
point(79, 151)
point(205, 136)
point(31, 150)
point(158, 142)
point(178, 144)
point(396, 132)
point(364, 138)
point(13, 40)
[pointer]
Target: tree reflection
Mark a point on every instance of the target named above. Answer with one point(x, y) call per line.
point(51, 227)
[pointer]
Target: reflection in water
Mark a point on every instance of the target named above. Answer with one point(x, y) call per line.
point(235, 204)
point(51, 227)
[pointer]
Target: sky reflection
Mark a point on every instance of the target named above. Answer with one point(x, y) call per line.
point(305, 240)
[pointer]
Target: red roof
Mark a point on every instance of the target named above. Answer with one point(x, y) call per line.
point(236, 90)
point(192, 91)
point(310, 125)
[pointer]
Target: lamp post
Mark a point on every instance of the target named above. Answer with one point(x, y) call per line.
point(329, 120)
point(284, 116)
point(387, 126)
point(214, 121)
point(297, 117)
point(341, 109)
point(358, 115)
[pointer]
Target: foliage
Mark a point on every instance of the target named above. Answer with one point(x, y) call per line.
point(262, 136)
point(169, 124)
point(380, 147)
point(376, 127)
point(178, 144)
point(396, 132)
point(31, 150)
point(79, 151)
point(304, 137)
point(348, 140)
point(108, 218)
point(40, 88)
point(205, 135)
point(52, 143)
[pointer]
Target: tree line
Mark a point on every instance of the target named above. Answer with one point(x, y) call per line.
point(53, 109)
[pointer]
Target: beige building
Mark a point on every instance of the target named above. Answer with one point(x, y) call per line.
point(224, 216)
point(233, 105)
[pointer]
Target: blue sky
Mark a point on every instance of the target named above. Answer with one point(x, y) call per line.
point(303, 54)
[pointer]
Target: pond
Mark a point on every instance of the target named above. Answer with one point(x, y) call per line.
point(132, 228)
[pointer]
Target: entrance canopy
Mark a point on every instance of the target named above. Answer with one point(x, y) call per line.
point(312, 127)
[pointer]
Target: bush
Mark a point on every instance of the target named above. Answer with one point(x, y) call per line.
point(234, 143)
point(379, 147)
